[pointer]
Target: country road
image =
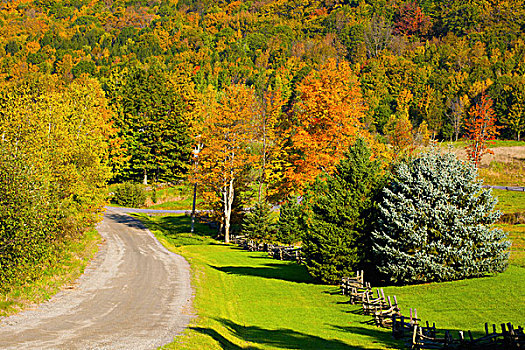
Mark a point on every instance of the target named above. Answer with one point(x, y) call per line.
point(134, 295)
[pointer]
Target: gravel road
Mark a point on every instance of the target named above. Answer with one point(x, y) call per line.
point(134, 295)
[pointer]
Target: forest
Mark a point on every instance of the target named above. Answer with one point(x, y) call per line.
point(239, 96)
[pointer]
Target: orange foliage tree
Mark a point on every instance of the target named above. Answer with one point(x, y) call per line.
point(481, 129)
point(326, 120)
point(226, 137)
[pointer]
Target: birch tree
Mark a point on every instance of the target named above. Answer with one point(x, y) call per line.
point(227, 134)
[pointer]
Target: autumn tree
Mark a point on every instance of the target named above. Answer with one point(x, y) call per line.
point(481, 129)
point(456, 110)
point(266, 123)
point(227, 135)
point(399, 129)
point(515, 116)
point(411, 20)
point(326, 121)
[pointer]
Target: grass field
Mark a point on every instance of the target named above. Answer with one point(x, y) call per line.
point(510, 201)
point(64, 271)
point(245, 300)
point(248, 301)
point(496, 144)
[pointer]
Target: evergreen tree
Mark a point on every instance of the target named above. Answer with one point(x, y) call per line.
point(434, 223)
point(337, 215)
point(153, 123)
point(257, 224)
point(289, 226)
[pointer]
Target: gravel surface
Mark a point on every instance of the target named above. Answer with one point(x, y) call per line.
point(134, 295)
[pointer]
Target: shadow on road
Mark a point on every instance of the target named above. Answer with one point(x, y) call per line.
point(126, 220)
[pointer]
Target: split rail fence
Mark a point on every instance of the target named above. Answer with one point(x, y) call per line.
point(385, 312)
point(290, 252)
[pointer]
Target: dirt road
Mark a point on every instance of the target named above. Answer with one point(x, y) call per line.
point(134, 295)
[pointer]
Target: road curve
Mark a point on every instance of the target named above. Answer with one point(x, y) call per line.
point(134, 295)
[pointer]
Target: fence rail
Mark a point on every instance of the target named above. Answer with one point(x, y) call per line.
point(386, 313)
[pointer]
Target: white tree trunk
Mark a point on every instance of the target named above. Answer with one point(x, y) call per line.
point(228, 195)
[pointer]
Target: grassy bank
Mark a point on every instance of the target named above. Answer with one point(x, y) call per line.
point(248, 301)
point(61, 273)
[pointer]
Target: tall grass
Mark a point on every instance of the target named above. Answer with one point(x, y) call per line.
point(510, 173)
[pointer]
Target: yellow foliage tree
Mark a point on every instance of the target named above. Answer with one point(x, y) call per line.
point(226, 135)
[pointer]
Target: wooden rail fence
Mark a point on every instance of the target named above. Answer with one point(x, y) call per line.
point(385, 312)
point(291, 252)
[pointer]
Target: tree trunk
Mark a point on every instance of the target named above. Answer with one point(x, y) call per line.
point(228, 194)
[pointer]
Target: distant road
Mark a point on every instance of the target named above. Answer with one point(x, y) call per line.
point(153, 211)
point(508, 188)
point(134, 295)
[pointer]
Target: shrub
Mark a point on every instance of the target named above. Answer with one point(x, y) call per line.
point(337, 216)
point(128, 194)
point(434, 223)
point(27, 220)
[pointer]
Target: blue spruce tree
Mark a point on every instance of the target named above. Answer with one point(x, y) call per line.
point(435, 223)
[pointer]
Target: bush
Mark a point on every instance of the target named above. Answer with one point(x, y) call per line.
point(434, 223)
point(337, 216)
point(128, 194)
point(28, 230)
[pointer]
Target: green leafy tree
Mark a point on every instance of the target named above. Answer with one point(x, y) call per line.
point(27, 230)
point(337, 215)
point(434, 223)
point(129, 195)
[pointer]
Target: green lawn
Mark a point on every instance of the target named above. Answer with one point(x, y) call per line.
point(248, 301)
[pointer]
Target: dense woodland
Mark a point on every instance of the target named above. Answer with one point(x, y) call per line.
point(271, 93)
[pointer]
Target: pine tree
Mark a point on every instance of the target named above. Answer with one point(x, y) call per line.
point(338, 215)
point(289, 226)
point(434, 223)
point(258, 224)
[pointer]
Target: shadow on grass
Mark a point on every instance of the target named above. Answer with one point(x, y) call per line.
point(287, 338)
point(383, 338)
point(225, 343)
point(285, 272)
